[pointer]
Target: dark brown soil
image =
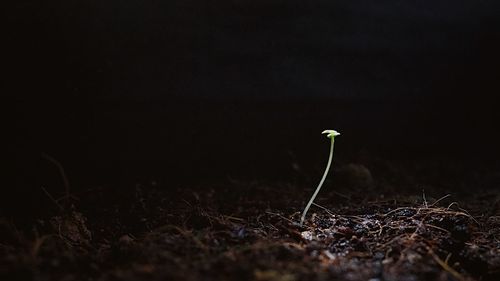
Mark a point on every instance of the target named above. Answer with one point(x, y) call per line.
point(363, 228)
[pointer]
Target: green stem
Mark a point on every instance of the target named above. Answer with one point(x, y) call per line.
point(320, 183)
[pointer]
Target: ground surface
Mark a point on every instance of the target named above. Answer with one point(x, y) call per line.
point(373, 222)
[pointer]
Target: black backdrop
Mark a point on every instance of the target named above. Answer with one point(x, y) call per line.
point(191, 90)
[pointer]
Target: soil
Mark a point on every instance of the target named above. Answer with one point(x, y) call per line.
point(371, 222)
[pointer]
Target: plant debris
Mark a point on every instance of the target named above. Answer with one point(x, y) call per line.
point(250, 231)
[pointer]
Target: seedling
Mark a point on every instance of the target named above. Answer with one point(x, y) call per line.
point(330, 134)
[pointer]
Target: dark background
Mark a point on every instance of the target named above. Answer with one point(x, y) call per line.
point(187, 91)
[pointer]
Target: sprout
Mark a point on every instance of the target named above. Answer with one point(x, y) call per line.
point(330, 134)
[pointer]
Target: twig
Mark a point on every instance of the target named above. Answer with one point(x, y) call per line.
point(325, 209)
point(445, 265)
point(440, 199)
point(233, 218)
point(437, 227)
point(425, 200)
point(61, 172)
point(275, 214)
point(464, 212)
point(52, 198)
point(398, 209)
point(449, 206)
